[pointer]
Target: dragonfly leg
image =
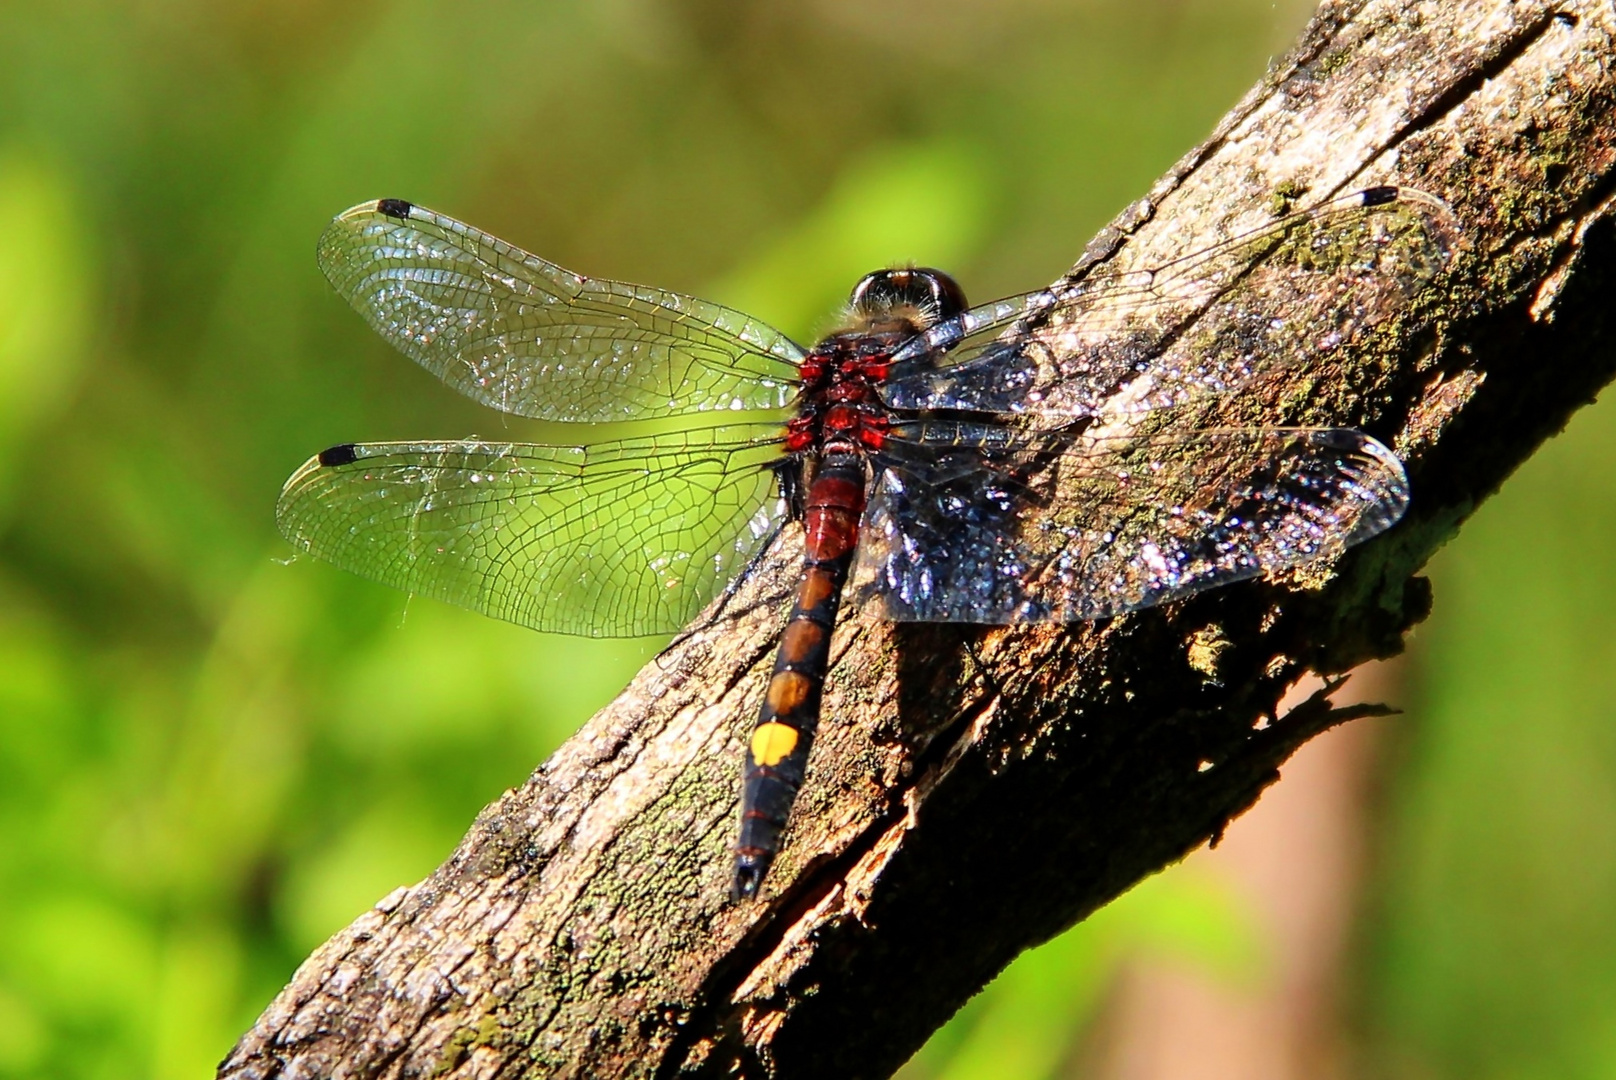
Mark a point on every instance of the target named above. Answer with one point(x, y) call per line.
point(994, 687)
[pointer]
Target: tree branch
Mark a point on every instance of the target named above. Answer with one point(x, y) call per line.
point(975, 791)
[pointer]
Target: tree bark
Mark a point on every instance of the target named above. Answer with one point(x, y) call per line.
point(974, 791)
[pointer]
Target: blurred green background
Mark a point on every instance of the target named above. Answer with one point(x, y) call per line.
point(212, 758)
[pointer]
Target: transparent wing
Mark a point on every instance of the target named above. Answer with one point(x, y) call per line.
point(1286, 293)
point(1083, 529)
point(616, 539)
point(525, 336)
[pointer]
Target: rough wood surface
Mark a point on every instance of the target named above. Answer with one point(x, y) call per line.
point(974, 792)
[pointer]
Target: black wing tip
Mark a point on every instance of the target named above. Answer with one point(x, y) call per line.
point(1380, 196)
point(342, 454)
point(395, 208)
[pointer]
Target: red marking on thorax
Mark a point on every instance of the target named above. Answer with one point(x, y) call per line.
point(841, 418)
point(840, 409)
point(800, 434)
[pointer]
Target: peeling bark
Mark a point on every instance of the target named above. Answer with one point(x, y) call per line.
point(975, 791)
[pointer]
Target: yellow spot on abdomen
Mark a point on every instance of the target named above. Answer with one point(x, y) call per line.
point(772, 742)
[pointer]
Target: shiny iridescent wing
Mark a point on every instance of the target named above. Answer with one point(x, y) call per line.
point(1285, 294)
point(1077, 528)
point(616, 539)
point(520, 334)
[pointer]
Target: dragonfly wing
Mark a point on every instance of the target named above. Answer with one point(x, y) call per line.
point(1131, 341)
point(520, 334)
point(1085, 529)
point(616, 539)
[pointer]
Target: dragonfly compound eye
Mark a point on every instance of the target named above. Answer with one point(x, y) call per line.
point(926, 295)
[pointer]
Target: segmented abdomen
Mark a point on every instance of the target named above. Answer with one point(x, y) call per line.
point(777, 754)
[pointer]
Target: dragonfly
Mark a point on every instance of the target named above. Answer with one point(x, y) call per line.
point(1022, 461)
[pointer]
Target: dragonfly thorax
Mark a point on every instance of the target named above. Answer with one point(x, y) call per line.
point(839, 409)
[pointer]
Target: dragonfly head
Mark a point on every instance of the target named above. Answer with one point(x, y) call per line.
point(913, 294)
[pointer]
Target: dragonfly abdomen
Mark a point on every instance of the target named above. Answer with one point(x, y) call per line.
point(777, 754)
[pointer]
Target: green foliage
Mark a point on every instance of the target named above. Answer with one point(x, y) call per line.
point(1494, 948)
point(1024, 1024)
